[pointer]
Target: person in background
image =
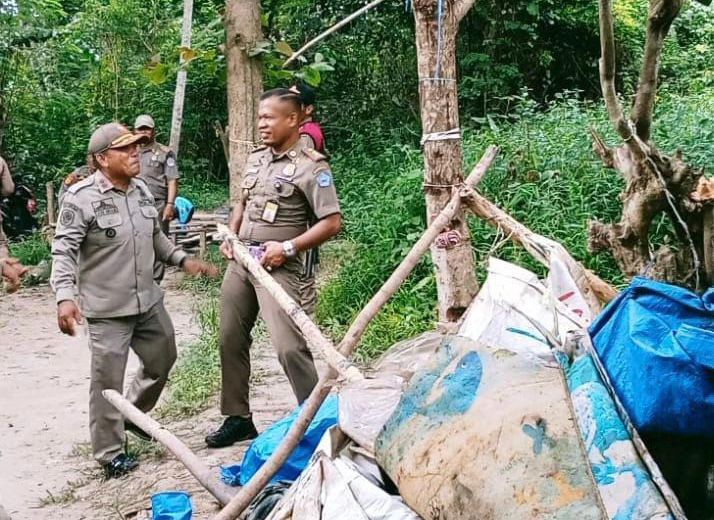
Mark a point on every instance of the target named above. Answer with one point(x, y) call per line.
point(310, 130)
point(7, 188)
point(160, 172)
point(107, 240)
point(78, 174)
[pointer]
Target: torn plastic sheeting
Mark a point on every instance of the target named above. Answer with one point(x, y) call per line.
point(365, 406)
point(171, 505)
point(267, 442)
point(656, 342)
point(335, 489)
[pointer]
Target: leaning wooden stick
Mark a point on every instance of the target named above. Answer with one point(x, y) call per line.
point(312, 404)
point(312, 333)
point(537, 245)
point(329, 31)
point(206, 476)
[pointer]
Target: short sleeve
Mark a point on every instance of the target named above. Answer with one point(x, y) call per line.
point(171, 167)
point(321, 193)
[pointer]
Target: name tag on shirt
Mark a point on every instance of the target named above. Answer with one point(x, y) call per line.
point(270, 211)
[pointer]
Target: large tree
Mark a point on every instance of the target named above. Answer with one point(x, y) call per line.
point(437, 24)
point(244, 83)
point(655, 182)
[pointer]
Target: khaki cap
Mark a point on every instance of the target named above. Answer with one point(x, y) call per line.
point(113, 135)
point(144, 120)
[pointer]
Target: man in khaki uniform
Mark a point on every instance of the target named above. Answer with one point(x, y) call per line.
point(160, 172)
point(106, 242)
point(286, 185)
point(7, 188)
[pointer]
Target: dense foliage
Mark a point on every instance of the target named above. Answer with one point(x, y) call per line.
point(528, 81)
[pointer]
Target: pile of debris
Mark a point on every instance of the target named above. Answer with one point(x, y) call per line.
point(533, 409)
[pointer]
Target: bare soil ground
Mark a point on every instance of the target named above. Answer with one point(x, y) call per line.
point(46, 471)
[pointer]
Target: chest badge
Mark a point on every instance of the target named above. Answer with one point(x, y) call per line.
point(289, 171)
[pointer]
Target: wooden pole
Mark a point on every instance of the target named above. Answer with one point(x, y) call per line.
point(312, 404)
point(180, 94)
point(206, 476)
point(51, 204)
point(312, 333)
point(329, 31)
point(594, 289)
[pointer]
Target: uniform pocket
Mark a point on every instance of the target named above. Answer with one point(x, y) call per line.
point(249, 182)
point(149, 211)
point(283, 189)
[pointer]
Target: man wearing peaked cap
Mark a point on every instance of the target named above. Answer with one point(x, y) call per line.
point(160, 172)
point(107, 240)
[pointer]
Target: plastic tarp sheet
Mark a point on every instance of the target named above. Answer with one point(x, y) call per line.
point(335, 486)
point(656, 342)
point(266, 443)
point(171, 505)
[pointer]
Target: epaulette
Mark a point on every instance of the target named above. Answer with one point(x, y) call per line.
point(314, 154)
point(84, 183)
point(164, 148)
point(258, 148)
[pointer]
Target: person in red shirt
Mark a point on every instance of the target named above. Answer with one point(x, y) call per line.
point(310, 131)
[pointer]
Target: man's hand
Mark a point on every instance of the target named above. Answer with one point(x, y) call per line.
point(68, 316)
point(12, 273)
point(274, 255)
point(169, 212)
point(227, 249)
point(196, 267)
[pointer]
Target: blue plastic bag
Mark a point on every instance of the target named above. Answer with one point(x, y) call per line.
point(265, 444)
point(184, 210)
point(171, 505)
point(657, 343)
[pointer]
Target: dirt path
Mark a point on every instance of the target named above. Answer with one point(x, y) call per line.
point(45, 468)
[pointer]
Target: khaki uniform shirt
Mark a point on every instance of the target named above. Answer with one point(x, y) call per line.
point(284, 193)
point(105, 247)
point(158, 166)
point(78, 174)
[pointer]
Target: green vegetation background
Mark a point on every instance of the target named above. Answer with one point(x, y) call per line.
point(528, 82)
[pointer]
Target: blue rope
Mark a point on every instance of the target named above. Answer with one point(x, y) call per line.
point(439, 37)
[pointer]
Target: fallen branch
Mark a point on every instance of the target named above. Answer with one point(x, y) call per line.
point(329, 31)
point(205, 475)
point(312, 404)
point(312, 333)
point(596, 290)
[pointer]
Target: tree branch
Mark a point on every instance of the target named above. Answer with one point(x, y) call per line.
point(462, 7)
point(607, 70)
point(661, 15)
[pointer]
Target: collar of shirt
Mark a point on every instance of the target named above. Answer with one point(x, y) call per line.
point(104, 184)
point(291, 152)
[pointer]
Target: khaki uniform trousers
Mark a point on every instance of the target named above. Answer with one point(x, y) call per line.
point(151, 336)
point(4, 248)
point(241, 298)
point(159, 266)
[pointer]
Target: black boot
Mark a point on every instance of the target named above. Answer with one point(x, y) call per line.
point(119, 466)
point(234, 429)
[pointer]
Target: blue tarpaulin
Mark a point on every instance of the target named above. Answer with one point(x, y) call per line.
point(171, 505)
point(265, 444)
point(656, 341)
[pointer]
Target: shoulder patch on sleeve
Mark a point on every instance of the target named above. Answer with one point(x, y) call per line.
point(324, 178)
point(313, 154)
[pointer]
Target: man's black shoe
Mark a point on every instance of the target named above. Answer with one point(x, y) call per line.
point(234, 429)
point(138, 432)
point(119, 466)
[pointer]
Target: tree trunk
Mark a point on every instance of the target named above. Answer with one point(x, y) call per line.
point(244, 84)
point(455, 269)
point(177, 116)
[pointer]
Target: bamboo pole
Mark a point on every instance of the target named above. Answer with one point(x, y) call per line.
point(312, 404)
point(51, 204)
point(206, 476)
point(329, 31)
point(312, 333)
point(538, 246)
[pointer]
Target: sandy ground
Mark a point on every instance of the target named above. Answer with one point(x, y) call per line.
point(45, 467)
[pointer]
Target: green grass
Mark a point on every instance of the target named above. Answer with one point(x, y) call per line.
point(31, 250)
point(206, 195)
point(546, 177)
